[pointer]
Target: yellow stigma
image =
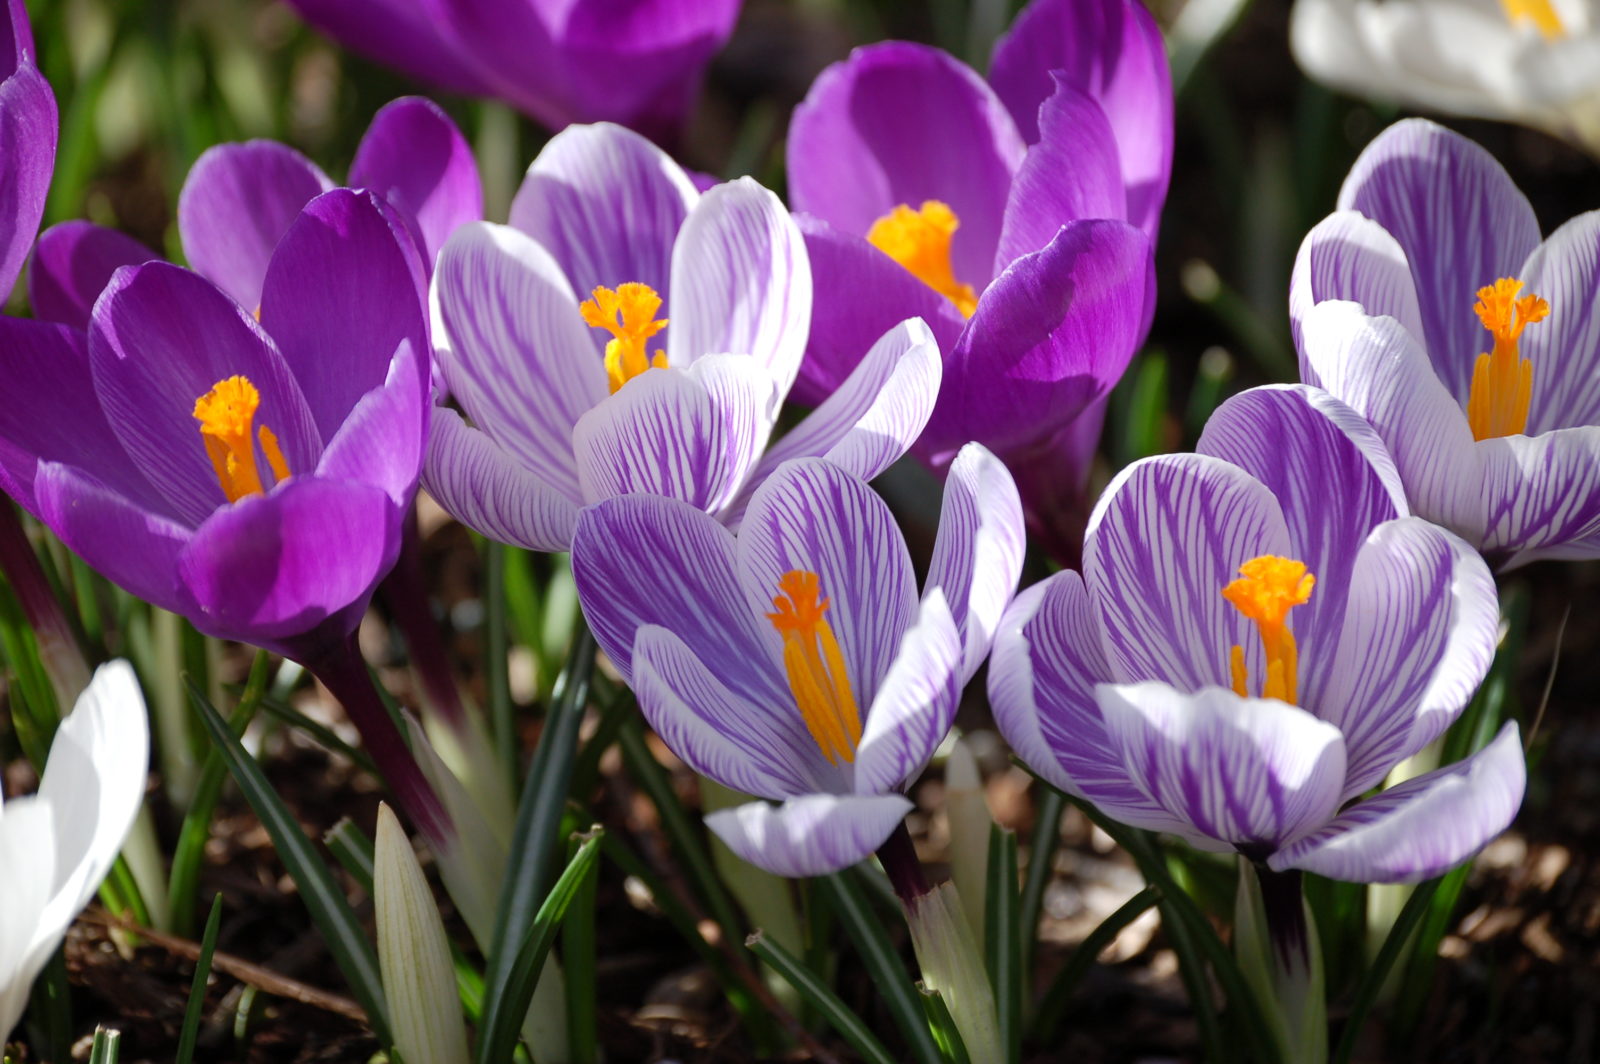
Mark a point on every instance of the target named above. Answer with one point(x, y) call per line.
point(1502, 380)
point(227, 414)
point(1267, 589)
point(920, 241)
point(629, 315)
point(1542, 13)
point(817, 674)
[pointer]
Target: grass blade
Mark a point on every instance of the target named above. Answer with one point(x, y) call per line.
point(197, 988)
point(1003, 941)
point(578, 949)
point(826, 1004)
point(943, 1026)
point(1372, 983)
point(1053, 1005)
point(107, 1045)
point(1041, 857)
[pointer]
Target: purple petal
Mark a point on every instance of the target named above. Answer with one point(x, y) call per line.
point(977, 557)
point(236, 204)
point(132, 547)
point(1249, 772)
point(812, 517)
point(1418, 638)
point(60, 420)
point(415, 158)
point(1376, 367)
point(382, 441)
point(344, 290)
point(760, 749)
point(1349, 256)
point(607, 204)
point(1333, 481)
point(642, 560)
point(741, 282)
point(1051, 335)
point(73, 264)
point(1565, 270)
point(1048, 657)
point(1071, 173)
point(16, 37)
point(409, 35)
point(274, 566)
point(916, 704)
point(1052, 479)
point(1167, 536)
point(1424, 826)
point(1461, 222)
point(689, 434)
point(521, 361)
point(1113, 52)
point(811, 836)
point(488, 490)
point(162, 337)
point(901, 123)
point(1541, 493)
point(860, 294)
point(28, 147)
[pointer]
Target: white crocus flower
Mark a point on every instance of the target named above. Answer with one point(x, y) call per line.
point(1533, 62)
point(56, 846)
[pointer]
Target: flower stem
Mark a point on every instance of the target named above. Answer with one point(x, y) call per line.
point(1282, 959)
point(405, 592)
point(898, 855)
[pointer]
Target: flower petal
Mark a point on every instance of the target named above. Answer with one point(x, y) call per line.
point(382, 441)
point(344, 290)
point(1418, 638)
point(741, 282)
point(1349, 256)
point(1423, 827)
point(1565, 270)
point(28, 147)
point(813, 517)
point(1112, 51)
point(1249, 772)
point(1541, 494)
point(1166, 537)
point(916, 704)
point(417, 160)
point(900, 123)
point(162, 337)
point(810, 836)
point(488, 490)
point(405, 34)
point(607, 204)
point(977, 556)
point(693, 435)
point(236, 204)
point(73, 264)
point(27, 840)
point(521, 361)
point(1461, 222)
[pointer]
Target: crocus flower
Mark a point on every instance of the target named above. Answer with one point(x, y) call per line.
point(1015, 216)
point(57, 845)
point(796, 661)
point(1479, 370)
point(240, 199)
point(638, 62)
point(1259, 634)
point(1533, 62)
point(27, 143)
point(556, 348)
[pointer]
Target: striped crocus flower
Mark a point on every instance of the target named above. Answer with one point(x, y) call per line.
point(1260, 633)
point(1475, 355)
point(797, 662)
point(626, 333)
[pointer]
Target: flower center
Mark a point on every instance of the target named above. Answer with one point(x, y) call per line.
point(920, 241)
point(226, 414)
point(1541, 13)
point(1267, 589)
point(817, 674)
point(629, 315)
point(1502, 380)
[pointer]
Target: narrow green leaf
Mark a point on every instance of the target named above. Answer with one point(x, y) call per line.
point(321, 734)
point(197, 987)
point(828, 1005)
point(1372, 983)
point(1041, 857)
point(329, 910)
point(943, 1026)
point(107, 1045)
point(1003, 941)
point(1055, 1001)
point(578, 950)
point(353, 850)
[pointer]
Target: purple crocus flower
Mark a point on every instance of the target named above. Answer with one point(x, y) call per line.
point(557, 356)
point(795, 662)
point(638, 62)
point(1260, 633)
point(27, 143)
point(1477, 363)
point(240, 199)
point(1015, 216)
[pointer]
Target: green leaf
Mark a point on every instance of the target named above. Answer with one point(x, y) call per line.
point(578, 950)
point(1372, 983)
point(107, 1044)
point(1055, 1001)
point(828, 1005)
point(1003, 941)
point(1041, 857)
point(197, 988)
point(943, 1026)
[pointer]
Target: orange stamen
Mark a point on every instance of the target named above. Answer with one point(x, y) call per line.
point(629, 315)
point(919, 240)
point(1541, 13)
point(1267, 589)
point(227, 414)
point(817, 674)
point(1502, 380)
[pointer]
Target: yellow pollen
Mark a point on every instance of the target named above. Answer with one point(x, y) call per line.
point(227, 415)
point(1542, 13)
point(629, 315)
point(1267, 589)
point(1502, 380)
point(920, 241)
point(817, 674)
